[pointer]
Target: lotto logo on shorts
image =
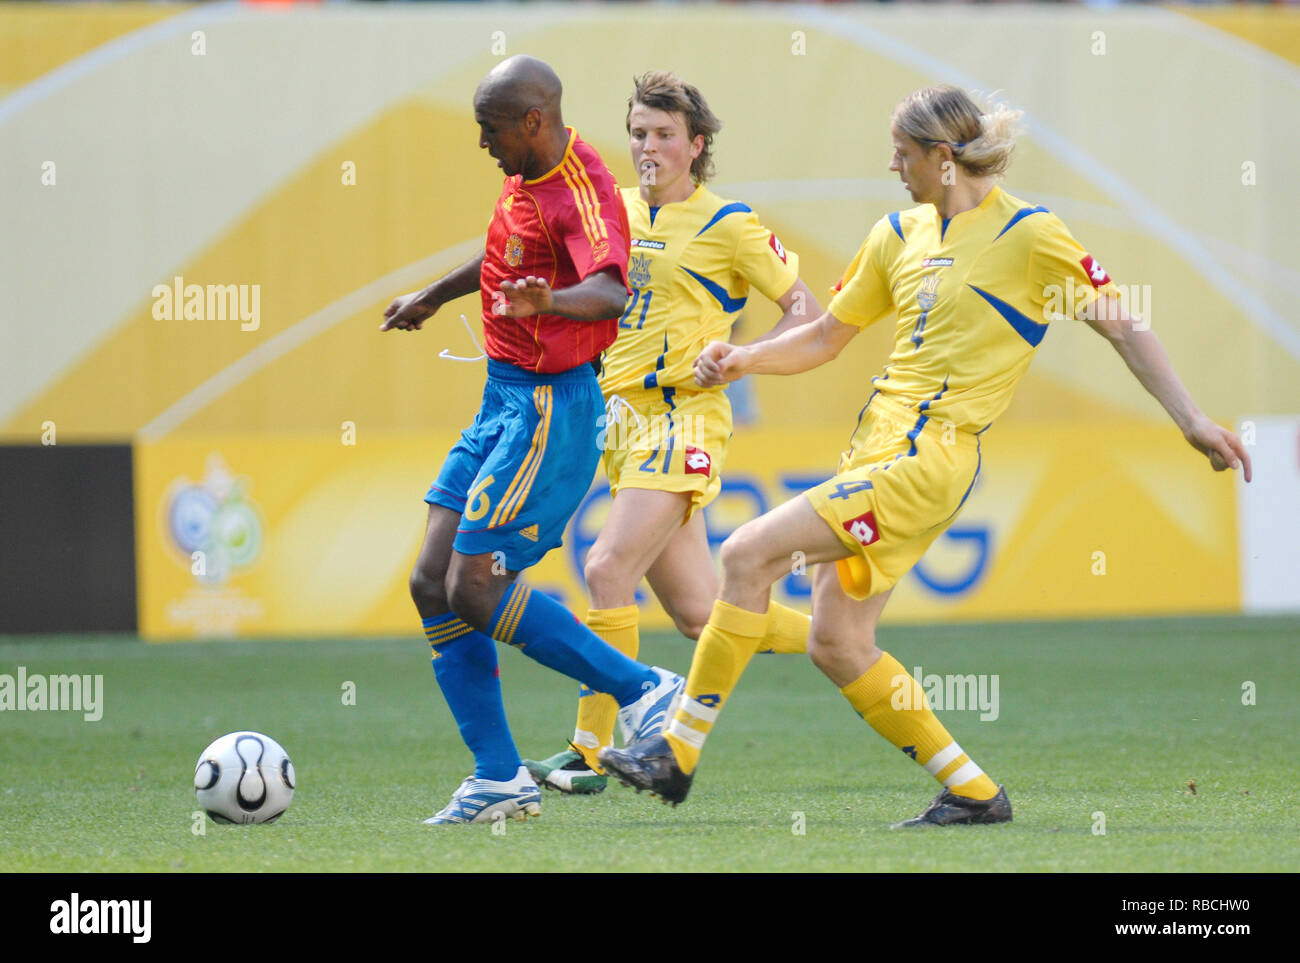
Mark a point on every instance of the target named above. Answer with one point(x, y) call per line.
point(1096, 273)
point(863, 528)
point(697, 462)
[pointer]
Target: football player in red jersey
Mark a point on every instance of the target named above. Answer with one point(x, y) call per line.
point(553, 281)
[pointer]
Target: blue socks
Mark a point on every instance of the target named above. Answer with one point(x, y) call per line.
point(544, 630)
point(465, 665)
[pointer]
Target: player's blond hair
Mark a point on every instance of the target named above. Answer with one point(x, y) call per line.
point(664, 90)
point(982, 140)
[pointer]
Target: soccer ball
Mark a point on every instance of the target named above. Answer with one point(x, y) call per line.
point(244, 777)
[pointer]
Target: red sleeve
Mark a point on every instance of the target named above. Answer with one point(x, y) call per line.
point(596, 235)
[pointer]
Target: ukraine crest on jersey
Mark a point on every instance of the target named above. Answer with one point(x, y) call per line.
point(691, 268)
point(974, 296)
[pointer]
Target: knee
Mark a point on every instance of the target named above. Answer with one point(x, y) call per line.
point(602, 570)
point(428, 592)
point(470, 595)
point(691, 623)
point(829, 651)
point(820, 648)
point(742, 553)
point(825, 656)
point(611, 576)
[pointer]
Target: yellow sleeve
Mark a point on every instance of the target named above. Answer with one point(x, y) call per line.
point(863, 295)
point(1064, 279)
point(763, 261)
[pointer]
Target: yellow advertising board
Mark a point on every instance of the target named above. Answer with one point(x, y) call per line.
point(256, 535)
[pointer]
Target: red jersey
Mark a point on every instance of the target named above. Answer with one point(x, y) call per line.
point(563, 226)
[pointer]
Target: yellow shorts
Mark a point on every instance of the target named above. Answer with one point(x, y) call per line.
point(900, 484)
point(668, 440)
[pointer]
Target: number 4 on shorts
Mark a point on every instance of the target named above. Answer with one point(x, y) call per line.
point(845, 489)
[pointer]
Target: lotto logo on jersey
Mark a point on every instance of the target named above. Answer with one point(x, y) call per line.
point(863, 528)
point(697, 462)
point(1096, 273)
point(776, 246)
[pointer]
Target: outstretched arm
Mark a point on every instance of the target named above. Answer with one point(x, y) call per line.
point(597, 297)
point(798, 349)
point(798, 306)
point(1145, 356)
point(408, 312)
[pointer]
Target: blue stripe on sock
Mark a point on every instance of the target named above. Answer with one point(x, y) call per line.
point(547, 632)
point(466, 670)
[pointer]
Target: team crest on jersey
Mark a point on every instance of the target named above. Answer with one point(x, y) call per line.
point(600, 250)
point(937, 262)
point(638, 270)
point(863, 528)
point(775, 243)
point(1096, 273)
point(514, 250)
point(698, 462)
point(928, 296)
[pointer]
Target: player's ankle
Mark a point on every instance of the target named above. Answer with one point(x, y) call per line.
point(588, 754)
point(687, 756)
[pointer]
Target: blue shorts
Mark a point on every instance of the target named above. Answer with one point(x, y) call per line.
point(522, 468)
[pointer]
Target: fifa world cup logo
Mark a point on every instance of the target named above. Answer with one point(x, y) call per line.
point(215, 521)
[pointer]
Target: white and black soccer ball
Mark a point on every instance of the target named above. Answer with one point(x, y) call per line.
point(244, 777)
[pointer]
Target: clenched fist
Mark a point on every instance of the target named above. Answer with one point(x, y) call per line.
point(720, 363)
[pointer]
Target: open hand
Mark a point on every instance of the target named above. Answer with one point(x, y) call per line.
point(522, 298)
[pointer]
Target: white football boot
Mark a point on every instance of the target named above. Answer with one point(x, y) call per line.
point(650, 714)
point(489, 801)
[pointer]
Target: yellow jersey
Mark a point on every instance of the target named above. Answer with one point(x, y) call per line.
point(974, 296)
point(691, 267)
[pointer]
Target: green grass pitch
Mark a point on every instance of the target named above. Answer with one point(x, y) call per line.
point(1099, 717)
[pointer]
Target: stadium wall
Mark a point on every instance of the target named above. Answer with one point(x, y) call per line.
point(67, 540)
point(264, 156)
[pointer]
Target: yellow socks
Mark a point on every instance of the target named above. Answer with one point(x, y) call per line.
point(886, 696)
point(787, 630)
point(597, 712)
point(895, 705)
point(716, 667)
point(726, 645)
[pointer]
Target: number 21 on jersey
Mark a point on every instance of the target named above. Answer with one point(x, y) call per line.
point(637, 295)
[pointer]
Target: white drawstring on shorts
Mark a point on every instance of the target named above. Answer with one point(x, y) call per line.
point(615, 404)
point(446, 352)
